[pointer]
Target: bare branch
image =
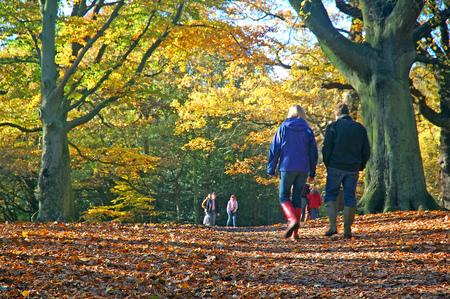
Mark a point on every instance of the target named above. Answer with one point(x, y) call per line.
point(100, 53)
point(13, 60)
point(337, 85)
point(161, 69)
point(36, 44)
point(91, 114)
point(349, 10)
point(280, 63)
point(436, 118)
point(445, 38)
point(19, 127)
point(426, 28)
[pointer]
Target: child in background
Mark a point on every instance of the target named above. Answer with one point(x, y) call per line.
point(304, 201)
point(314, 203)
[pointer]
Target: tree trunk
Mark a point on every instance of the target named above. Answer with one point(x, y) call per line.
point(379, 71)
point(444, 95)
point(445, 168)
point(54, 188)
point(178, 208)
point(394, 176)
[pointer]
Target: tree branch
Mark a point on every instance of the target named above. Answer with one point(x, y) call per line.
point(89, 44)
point(100, 54)
point(280, 63)
point(93, 159)
point(69, 93)
point(19, 127)
point(337, 85)
point(404, 15)
point(351, 57)
point(437, 119)
point(349, 10)
point(160, 39)
point(36, 44)
point(445, 38)
point(119, 63)
point(13, 60)
point(91, 114)
point(426, 28)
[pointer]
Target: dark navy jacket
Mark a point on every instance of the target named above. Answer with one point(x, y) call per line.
point(346, 146)
point(294, 148)
point(209, 209)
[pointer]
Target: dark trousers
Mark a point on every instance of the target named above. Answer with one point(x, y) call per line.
point(336, 178)
point(294, 180)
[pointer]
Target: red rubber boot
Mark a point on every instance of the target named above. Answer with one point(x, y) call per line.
point(289, 212)
point(298, 214)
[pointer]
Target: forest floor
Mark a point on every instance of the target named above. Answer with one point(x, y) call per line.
point(394, 255)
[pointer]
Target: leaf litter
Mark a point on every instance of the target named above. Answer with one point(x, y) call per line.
point(393, 255)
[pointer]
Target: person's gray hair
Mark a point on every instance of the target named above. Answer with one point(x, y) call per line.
point(296, 111)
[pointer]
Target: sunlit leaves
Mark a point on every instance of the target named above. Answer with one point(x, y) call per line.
point(199, 143)
point(129, 206)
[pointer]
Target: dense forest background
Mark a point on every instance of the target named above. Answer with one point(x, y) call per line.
point(178, 99)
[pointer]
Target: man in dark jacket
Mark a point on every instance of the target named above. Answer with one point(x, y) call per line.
point(294, 150)
point(345, 152)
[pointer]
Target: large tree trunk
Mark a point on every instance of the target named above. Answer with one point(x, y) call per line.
point(394, 176)
point(54, 188)
point(54, 193)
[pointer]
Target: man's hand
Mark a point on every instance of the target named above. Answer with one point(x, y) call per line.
point(311, 179)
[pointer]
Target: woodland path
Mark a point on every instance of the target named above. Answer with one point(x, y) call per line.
point(394, 255)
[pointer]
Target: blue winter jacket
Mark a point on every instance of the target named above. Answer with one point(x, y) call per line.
point(294, 147)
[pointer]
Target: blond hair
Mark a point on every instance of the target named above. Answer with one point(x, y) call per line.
point(296, 111)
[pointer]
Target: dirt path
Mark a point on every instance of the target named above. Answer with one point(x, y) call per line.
point(396, 255)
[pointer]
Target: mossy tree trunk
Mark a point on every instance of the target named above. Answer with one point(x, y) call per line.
point(394, 176)
point(379, 71)
point(54, 188)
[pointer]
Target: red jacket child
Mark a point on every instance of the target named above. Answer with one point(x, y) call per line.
point(314, 200)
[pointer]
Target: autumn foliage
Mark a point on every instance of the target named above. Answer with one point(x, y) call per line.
point(394, 255)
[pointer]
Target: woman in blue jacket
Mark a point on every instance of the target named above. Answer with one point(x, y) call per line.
point(294, 151)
